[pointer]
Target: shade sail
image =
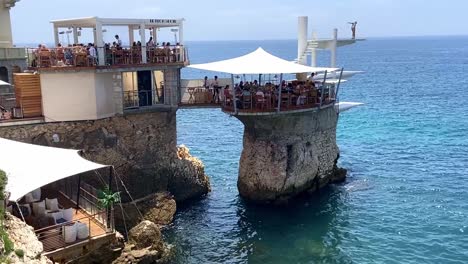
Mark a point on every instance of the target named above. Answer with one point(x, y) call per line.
point(29, 166)
point(258, 62)
point(4, 83)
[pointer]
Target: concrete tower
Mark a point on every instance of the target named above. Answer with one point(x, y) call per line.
point(6, 39)
point(11, 59)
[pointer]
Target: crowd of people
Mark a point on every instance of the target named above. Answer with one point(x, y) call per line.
point(115, 53)
point(255, 95)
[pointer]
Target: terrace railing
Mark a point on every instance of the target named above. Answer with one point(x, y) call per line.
point(142, 98)
point(125, 56)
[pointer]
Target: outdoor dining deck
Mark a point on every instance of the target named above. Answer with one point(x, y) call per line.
point(53, 237)
point(79, 56)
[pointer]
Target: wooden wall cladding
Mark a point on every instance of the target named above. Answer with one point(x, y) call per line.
point(28, 94)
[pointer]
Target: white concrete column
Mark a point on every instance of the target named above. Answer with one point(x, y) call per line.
point(75, 35)
point(333, 48)
point(302, 39)
point(56, 36)
point(155, 35)
point(143, 43)
point(181, 33)
point(131, 38)
point(99, 42)
point(6, 36)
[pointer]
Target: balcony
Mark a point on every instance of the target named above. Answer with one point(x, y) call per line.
point(12, 53)
point(80, 57)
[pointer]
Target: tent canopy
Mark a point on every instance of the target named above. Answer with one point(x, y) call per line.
point(258, 62)
point(3, 83)
point(29, 166)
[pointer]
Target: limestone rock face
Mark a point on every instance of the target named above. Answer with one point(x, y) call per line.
point(142, 147)
point(158, 208)
point(286, 155)
point(24, 238)
point(146, 234)
point(190, 180)
point(145, 245)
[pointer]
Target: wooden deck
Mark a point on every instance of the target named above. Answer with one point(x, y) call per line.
point(52, 238)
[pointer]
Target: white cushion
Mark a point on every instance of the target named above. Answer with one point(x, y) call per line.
point(68, 214)
point(29, 198)
point(36, 194)
point(52, 204)
point(40, 211)
point(36, 205)
point(82, 230)
point(69, 233)
point(56, 215)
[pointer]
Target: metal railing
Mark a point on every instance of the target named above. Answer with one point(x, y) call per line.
point(52, 237)
point(143, 98)
point(80, 56)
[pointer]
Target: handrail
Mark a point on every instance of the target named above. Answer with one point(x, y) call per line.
point(68, 222)
point(80, 56)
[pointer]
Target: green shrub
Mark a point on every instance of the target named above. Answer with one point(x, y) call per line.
point(19, 253)
point(7, 243)
point(3, 182)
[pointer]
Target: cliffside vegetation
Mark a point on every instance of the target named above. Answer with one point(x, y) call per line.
point(8, 246)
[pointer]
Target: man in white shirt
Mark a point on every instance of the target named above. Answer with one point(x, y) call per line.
point(92, 53)
point(118, 40)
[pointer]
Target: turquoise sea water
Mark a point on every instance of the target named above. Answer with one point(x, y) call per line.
point(406, 151)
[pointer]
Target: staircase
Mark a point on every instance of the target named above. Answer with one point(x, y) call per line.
point(311, 45)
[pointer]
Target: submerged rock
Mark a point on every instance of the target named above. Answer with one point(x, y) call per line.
point(286, 155)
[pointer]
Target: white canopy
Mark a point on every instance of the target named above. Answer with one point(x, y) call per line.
point(29, 166)
point(258, 62)
point(4, 83)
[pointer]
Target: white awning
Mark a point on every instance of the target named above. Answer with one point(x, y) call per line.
point(258, 62)
point(29, 166)
point(3, 83)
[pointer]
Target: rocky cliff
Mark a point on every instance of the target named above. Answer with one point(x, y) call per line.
point(286, 155)
point(27, 247)
point(142, 148)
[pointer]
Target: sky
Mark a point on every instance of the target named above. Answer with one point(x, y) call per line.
point(253, 19)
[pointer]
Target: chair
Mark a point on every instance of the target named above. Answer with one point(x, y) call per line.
point(191, 92)
point(246, 100)
point(228, 100)
point(260, 101)
point(44, 58)
point(285, 100)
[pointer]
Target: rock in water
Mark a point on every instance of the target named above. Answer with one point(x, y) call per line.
point(288, 154)
point(189, 179)
point(145, 245)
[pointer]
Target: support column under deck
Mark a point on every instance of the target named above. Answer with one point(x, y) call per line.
point(285, 155)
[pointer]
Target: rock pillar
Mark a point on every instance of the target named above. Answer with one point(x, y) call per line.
point(287, 154)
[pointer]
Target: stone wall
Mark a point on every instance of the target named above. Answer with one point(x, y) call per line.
point(286, 155)
point(142, 147)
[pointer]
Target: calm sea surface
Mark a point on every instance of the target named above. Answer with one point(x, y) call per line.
point(406, 150)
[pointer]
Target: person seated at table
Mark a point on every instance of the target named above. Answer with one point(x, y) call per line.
point(241, 85)
point(260, 93)
point(138, 44)
point(255, 83)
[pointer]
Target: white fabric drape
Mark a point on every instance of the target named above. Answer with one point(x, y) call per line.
point(258, 62)
point(29, 166)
